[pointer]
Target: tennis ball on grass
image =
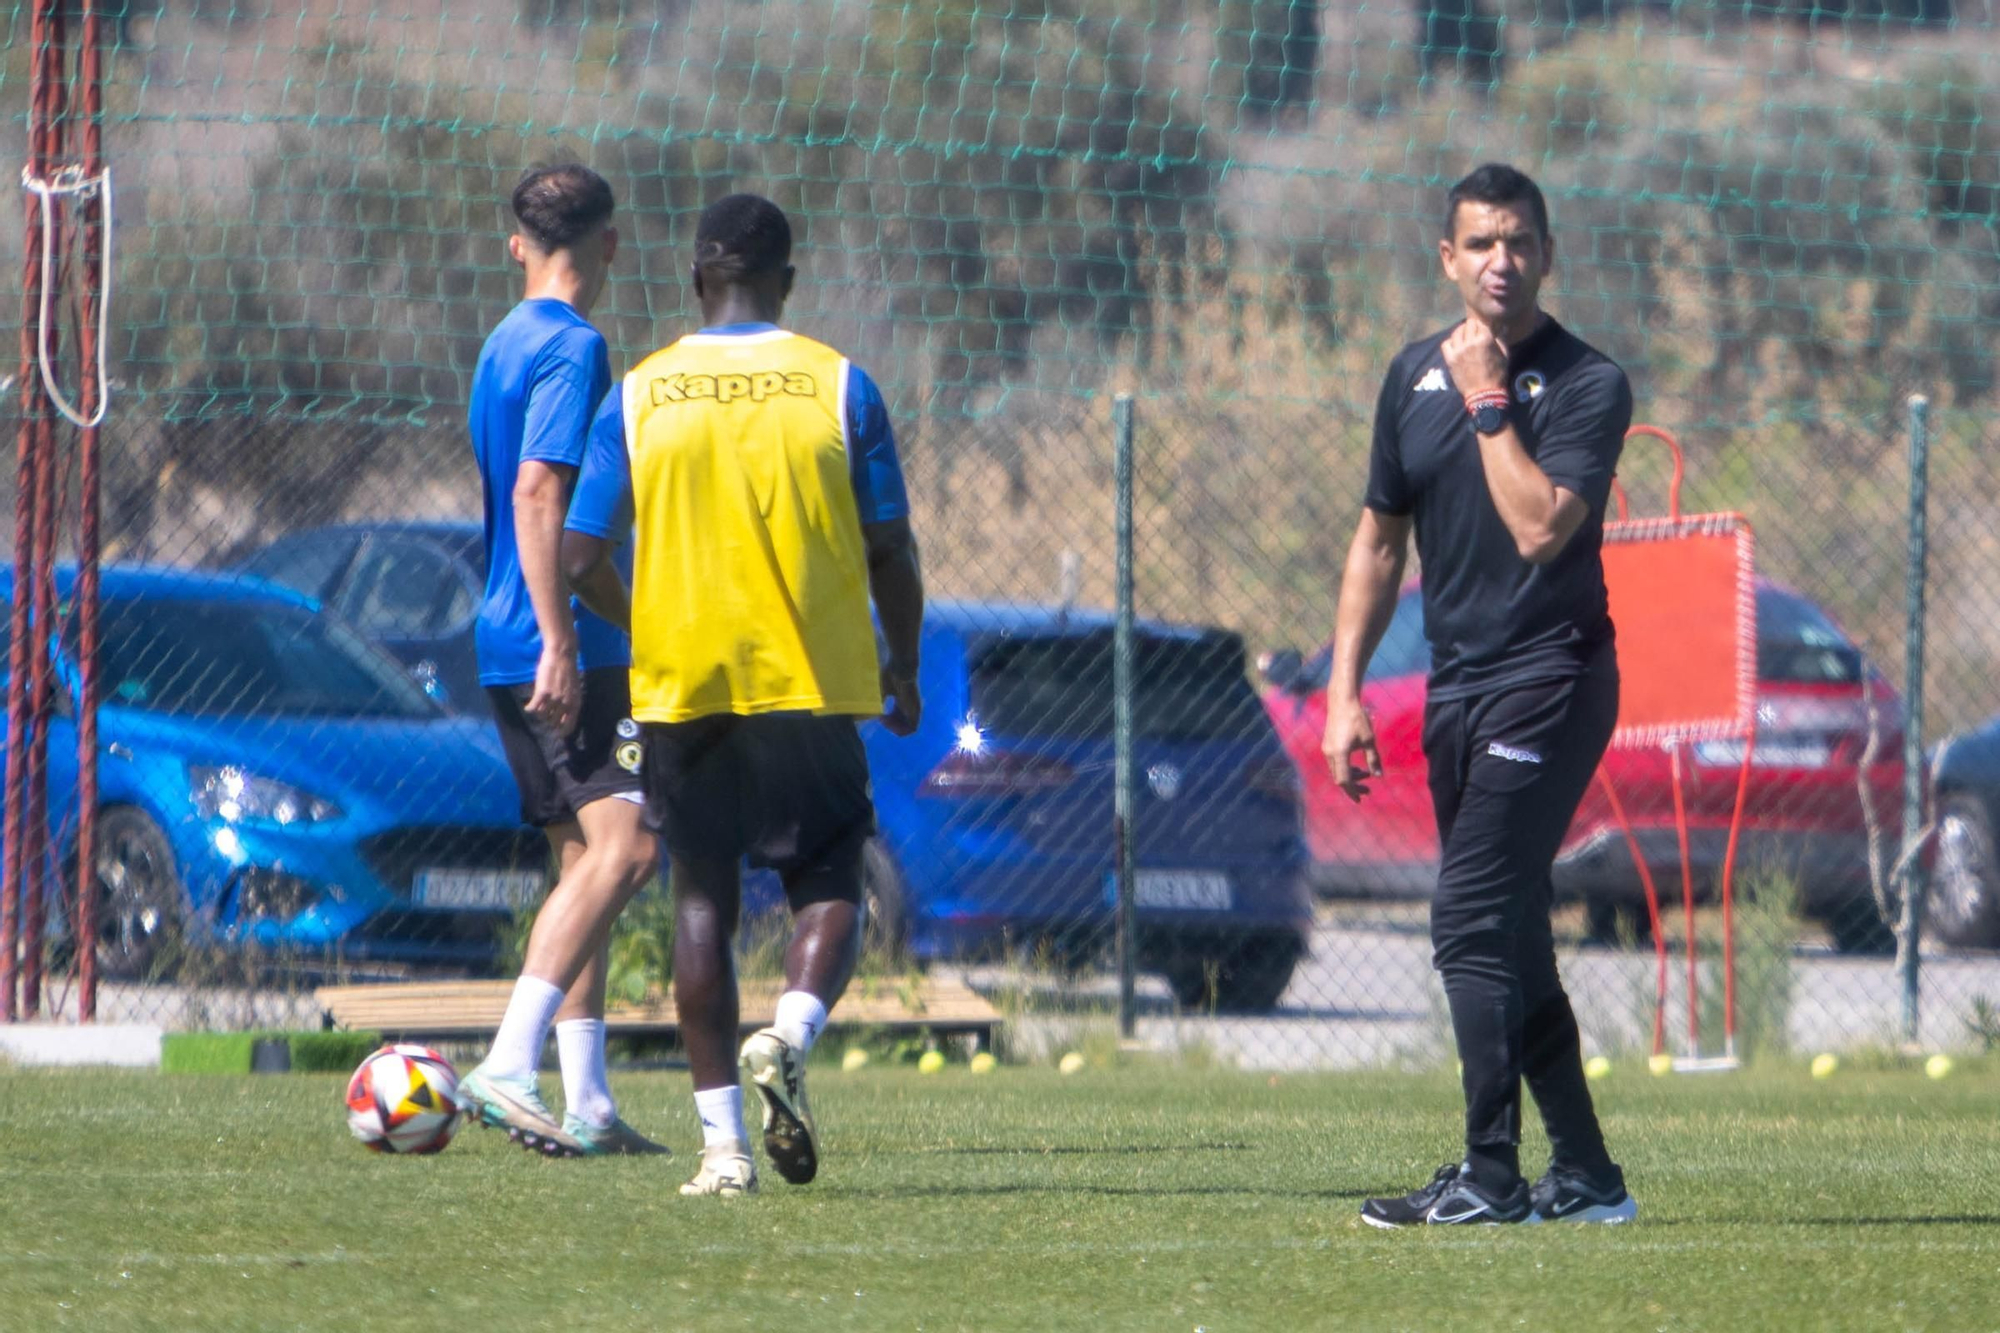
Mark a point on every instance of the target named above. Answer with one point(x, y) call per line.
point(983, 1063)
point(1660, 1064)
point(930, 1062)
point(1596, 1067)
point(1824, 1064)
point(1938, 1066)
point(1070, 1063)
point(854, 1059)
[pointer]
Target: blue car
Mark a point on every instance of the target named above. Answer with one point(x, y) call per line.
point(996, 818)
point(412, 587)
point(269, 778)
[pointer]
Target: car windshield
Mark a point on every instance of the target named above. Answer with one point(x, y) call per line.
point(1403, 651)
point(1186, 689)
point(248, 659)
point(1796, 643)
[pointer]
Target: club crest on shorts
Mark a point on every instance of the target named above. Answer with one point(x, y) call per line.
point(628, 730)
point(1528, 385)
point(628, 754)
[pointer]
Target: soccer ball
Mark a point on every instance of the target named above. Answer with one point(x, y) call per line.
point(404, 1099)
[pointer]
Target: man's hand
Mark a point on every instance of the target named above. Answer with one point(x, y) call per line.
point(1348, 730)
point(558, 696)
point(906, 706)
point(1475, 358)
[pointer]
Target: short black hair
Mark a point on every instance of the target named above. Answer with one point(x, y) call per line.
point(560, 205)
point(1497, 183)
point(742, 236)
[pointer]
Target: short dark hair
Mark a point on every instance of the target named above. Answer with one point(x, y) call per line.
point(1497, 183)
point(741, 237)
point(560, 205)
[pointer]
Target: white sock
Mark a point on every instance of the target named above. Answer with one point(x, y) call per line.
point(721, 1111)
point(586, 1092)
point(517, 1046)
point(801, 1018)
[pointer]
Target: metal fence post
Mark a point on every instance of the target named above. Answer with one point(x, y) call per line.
point(1909, 929)
point(1121, 686)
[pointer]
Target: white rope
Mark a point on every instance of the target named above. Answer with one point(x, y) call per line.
point(68, 181)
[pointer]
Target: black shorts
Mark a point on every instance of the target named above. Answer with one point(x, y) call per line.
point(559, 775)
point(788, 790)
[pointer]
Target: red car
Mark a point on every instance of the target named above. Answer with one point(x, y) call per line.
point(1803, 814)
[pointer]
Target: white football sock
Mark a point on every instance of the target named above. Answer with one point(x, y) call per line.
point(586, 1091)
point(801, 1018)
point(517, 1046)
point(721, 1111)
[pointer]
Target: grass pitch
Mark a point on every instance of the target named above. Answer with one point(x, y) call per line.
point(1123, 1198)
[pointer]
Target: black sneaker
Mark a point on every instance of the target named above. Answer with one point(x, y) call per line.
point(1570, 1196)
point(1452, 1198)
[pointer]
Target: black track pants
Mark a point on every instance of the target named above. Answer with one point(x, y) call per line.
point(1507, 771)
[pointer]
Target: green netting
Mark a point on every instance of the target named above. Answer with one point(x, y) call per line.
point(1780, 217)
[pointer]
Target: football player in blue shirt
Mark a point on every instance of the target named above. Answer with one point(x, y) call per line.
point(556, 674)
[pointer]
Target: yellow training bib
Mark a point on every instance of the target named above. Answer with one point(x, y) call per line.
point(750, 577)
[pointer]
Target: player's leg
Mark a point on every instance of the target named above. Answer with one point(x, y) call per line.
point(811, 776)
point(1454, 1194)
point(1582, 1183)
point(695, 800)
point(708, 893)
point(619, 857)
point(583, 789)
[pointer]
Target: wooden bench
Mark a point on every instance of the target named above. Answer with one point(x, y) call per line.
point(443, 1010)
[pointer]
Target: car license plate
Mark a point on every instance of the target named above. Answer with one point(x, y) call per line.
point(494, 890)
point(1178, 890)
point(1767, 754)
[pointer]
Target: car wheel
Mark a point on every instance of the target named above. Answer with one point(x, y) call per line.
point(139, 898)
point(1858, 928)
point(1246, 979)
point(885, 932)
point(1963, 908)
point(1613, 923)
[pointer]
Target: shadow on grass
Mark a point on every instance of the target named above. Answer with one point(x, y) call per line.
point(1104, 1191)
point(1099, 1150)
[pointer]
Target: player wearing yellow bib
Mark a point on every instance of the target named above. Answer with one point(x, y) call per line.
point(768, 508)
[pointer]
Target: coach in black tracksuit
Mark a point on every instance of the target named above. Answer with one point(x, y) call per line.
point(1496, 440)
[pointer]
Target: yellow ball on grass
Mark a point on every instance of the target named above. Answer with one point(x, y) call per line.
point(1070, 1063)
point(854, 1059)
point(1596, 1067)
point(1824, 1064)
point(983, 1063)
point(1938, 1066)
point(930, 1062)
point(1661, 1064)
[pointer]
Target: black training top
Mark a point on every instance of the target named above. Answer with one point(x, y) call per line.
point(1495, 621)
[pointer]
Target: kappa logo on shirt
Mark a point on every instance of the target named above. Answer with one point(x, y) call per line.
point(680, 388)
point(1432, 382)
point(1519, 756)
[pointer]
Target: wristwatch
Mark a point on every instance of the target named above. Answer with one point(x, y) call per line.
point(1488, 408)
point(1489, 418)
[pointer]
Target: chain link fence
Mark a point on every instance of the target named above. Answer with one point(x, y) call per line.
point(1779, 217)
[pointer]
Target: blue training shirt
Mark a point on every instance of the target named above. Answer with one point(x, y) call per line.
point(540, 374)
point(599, 505)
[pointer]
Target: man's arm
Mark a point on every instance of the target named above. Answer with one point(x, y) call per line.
point(1368, 589)
point(541, 498)
point(896, 582)
point(601, 507)
point(1542, 508)
point(586, 562)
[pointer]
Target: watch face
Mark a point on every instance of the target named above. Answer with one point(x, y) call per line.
point(1488, 419)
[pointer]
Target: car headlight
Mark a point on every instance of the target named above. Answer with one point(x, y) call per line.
point(231, 794)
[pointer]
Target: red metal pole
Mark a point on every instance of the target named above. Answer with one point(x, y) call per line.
point(83, 923)
point(1652, 912)
point(20, 725)
point(35, 881)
